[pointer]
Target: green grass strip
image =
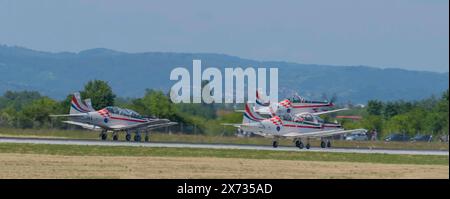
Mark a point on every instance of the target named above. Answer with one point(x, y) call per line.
point(220, 153)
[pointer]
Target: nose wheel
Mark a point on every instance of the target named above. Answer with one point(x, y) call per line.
point(137, 138)
point(103, 135)
point(275, 144)
point(128, 137)
point(325, 144)
point(299, 143)
point(115, 136)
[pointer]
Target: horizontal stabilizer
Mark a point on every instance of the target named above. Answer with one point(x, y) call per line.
point(320, 133)
point(70, 115)
point(332, 111)
point(84, 125)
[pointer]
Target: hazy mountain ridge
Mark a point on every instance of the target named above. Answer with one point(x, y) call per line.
point(129, 74)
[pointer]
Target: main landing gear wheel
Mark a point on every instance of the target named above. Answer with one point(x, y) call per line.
point(104, 136)
point(128, 137)
point(301, 145)
point(322, 144)
point(328, 143)
point(275, 144)
point(115, 137)
point(308, 145)
point(137, 138)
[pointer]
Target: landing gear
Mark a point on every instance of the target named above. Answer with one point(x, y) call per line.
point(103, 135)
point(137, 136)
point(115, 136)
point(308, 145)
point(328, 143)
point(325, 144)
point(128, 136)
point(275, 144)
point(299, 144)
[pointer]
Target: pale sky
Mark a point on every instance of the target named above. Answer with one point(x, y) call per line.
point(409, 34)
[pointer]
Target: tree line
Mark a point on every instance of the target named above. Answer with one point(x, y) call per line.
point(30, 109)
point(429, 116)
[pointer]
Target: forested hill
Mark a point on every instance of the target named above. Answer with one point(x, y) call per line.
point(129, 74)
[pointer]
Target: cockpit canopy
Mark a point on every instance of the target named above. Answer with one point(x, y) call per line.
point(299, 99)
point(308, 118)
point(123, 111)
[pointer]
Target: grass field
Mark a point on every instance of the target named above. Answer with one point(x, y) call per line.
point(183, 138)
point(69, 150)
point(70, 161)
point(14, 165)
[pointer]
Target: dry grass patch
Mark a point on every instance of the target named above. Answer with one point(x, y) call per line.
point(13, 165)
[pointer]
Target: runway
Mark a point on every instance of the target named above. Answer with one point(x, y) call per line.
point(213, 146)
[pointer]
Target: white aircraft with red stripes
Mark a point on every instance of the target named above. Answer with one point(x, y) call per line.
point(297, 129)
point(291, 107)
point(112, 119)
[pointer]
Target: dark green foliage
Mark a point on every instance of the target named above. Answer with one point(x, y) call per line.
point(428, 116)
point(100, 93)
point(375, 107)
point(31, 110)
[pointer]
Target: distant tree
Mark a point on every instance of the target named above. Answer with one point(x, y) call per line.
point(375, 107)
point(157, 104)
point(442, 108)
point(416, 121)
point(17, 99)
point(39, 110)
point(100, 93)
point(391, 109)
point(372, 122)
point(399, 124)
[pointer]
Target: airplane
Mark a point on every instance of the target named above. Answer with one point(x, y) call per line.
point(296, 129)
point(293, 106)
point(111, 118)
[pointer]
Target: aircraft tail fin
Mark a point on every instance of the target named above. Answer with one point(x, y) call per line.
point(76, 105)
point(88, 104)
point(260, 102)
point(250, 116)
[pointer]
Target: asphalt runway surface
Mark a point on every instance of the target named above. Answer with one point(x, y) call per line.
point(214, 146)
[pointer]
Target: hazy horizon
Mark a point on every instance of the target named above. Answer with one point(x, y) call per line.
point(334, 65)
point(406, 34)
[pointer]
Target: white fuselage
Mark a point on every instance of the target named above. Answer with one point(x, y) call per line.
point(276, 127)
point(107, 120)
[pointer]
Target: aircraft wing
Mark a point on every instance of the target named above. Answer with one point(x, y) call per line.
point(320, 133)
point(70, 115)
point(147, 125)
point(84, 125)
point(231, 124)
point(326, 112)
point(161, 125)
